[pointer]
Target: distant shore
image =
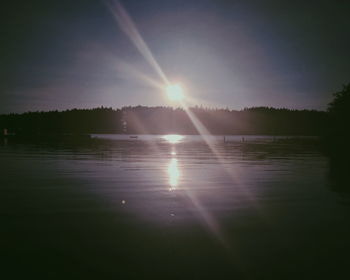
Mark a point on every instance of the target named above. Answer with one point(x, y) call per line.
point(168, 120)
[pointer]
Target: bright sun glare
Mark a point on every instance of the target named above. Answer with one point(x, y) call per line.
point(174, 92)
point(173, 138)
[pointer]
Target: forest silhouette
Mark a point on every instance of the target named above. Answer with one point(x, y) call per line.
point(168, 120)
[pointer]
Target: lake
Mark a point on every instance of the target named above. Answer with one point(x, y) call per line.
point(173, 207)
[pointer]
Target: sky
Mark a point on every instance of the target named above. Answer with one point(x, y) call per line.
point(236, 54)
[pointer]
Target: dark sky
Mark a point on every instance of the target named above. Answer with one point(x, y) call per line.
point(66, 54)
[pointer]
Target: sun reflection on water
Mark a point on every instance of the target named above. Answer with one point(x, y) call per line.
point(173, 173)
point(173, 138)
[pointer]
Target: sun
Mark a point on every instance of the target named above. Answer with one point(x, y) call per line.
point(174, 92)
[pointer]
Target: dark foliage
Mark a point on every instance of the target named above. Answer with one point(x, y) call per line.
point(163, 120)
point(338, 136)
point(339, 111)
point(98, 120)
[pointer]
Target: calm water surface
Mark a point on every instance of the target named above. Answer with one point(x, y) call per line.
point(172, 207)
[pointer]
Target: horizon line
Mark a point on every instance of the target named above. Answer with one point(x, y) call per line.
point(205, 107)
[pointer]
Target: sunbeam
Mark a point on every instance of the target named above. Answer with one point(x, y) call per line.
point(128, 27)
point(203, 131)
point(130, 70)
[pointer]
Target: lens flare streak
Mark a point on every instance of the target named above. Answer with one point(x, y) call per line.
point(127, 25)
point(129, 28)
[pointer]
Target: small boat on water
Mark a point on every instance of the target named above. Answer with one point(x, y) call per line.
point(133, 136)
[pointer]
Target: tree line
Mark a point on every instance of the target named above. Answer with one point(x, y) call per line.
point(331, 124)
point(168, 120)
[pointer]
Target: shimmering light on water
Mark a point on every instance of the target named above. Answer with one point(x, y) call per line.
point(173, 138)
point(119, 191)
point(173, 173)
